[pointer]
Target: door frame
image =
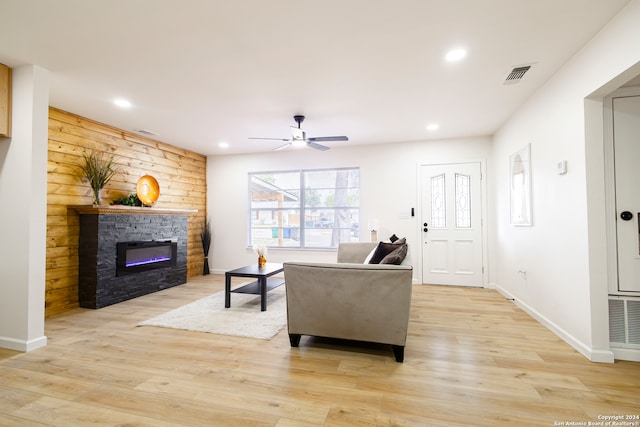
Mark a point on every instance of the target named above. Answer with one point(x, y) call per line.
point(610, 190)
point(483, 207)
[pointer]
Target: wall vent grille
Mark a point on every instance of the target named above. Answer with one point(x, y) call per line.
point(633, 321)
point(624, 322)
point(516, 74)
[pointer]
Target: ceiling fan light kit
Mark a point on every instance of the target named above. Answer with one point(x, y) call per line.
point(299, 138)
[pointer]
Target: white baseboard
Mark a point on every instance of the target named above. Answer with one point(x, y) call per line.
point(22, 345)
point(600, 356)
point(629, 354)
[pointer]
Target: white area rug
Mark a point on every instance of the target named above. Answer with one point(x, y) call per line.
point(243, 318)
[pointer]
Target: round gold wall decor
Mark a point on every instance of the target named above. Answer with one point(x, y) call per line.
point(148, 190)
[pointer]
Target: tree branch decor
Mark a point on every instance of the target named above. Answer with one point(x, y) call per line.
point(98, 171)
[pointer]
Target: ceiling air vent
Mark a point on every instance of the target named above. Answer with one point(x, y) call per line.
point(516, 74)
point(145, 132)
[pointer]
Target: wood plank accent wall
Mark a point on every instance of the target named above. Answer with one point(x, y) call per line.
point(180, 173)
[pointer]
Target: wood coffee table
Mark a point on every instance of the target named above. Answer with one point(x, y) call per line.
point(261, 286)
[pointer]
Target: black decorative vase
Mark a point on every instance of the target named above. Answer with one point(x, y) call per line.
point(205, 267)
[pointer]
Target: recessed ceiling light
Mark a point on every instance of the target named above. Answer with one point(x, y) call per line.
point(433, 126)
point(223, 144)
point(455, 55)
point(123, 103)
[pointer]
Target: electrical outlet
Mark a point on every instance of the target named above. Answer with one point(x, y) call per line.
point(522, 271)
point(561, 167)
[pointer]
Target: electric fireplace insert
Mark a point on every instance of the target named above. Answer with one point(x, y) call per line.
point(145, 255)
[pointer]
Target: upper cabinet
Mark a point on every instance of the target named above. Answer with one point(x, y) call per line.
point(5, 100)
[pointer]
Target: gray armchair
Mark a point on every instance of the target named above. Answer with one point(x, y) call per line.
point(349, 299)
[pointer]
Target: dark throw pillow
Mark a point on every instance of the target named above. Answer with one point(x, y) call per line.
point(382, 250)
point(396, 256)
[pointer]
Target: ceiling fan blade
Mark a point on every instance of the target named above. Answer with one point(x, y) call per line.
point(282, 146)
point(299, 137)
point(317, 146)
point(328, 138)
point(271, 139)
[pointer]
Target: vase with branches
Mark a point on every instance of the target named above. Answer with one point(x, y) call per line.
point(205, 237)
point(98, 170)
point(261, 251)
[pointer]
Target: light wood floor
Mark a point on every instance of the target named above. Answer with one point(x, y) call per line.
point(472, 359)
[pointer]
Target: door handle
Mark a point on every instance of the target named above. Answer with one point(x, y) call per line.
point(626, 216)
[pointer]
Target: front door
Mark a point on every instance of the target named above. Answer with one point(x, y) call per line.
point(626, 131)
point(451, 224)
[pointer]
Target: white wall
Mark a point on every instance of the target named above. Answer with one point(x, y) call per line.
point(23, 213)
point(388, 191)
point(563, 286)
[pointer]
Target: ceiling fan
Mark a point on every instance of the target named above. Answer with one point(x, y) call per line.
point(298, 136)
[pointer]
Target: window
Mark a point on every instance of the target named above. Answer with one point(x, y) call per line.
point(438, 202)
point(305, 208)
point(463, 201)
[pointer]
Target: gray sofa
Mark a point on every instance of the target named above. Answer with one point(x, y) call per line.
point(350, 300)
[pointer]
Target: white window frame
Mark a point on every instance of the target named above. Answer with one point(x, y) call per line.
point(290, 220)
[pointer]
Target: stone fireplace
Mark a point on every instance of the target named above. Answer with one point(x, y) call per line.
point(127, 252)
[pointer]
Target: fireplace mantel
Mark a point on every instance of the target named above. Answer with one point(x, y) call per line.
point(127, 210)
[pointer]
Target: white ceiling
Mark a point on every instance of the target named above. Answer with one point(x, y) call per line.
point(203, 71)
